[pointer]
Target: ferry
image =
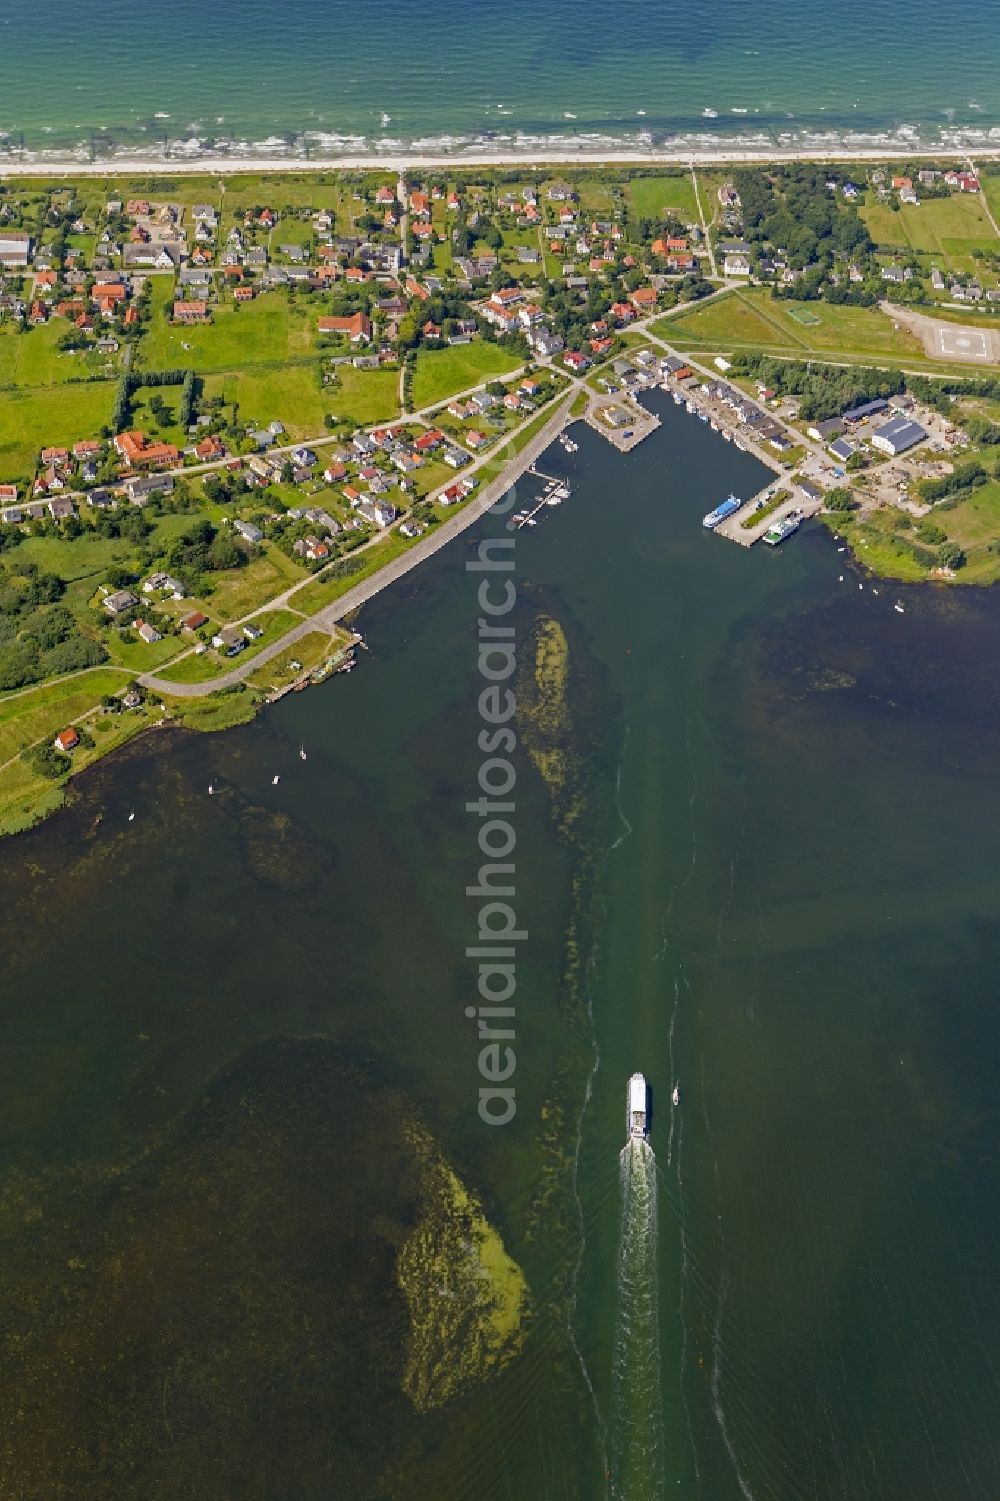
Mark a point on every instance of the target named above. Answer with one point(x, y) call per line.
point(635, 1108)
point(779, 530)
point(728, 506)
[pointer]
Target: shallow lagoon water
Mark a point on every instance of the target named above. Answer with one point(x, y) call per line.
point(220, 1024)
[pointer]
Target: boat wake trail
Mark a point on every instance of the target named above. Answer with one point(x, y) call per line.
point(637, 1407)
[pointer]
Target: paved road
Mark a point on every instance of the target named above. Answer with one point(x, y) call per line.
point(326, 618)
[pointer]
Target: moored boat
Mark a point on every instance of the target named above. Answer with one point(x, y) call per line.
point(782, 528)
point(728, 506)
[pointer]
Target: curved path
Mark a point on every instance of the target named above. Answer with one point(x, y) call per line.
point(328, 616)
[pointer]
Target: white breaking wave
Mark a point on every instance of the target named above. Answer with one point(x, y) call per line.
point(637, 1402)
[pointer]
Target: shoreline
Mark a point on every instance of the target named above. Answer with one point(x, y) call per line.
point(184, 164)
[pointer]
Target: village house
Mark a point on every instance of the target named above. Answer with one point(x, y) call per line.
point(67, 740)
point(146, 632)
point(191, 312)
point(158, 581)
point(140, 487)
point(120, 602)
point(357, 327)
point(137, 453)
point(230, 640)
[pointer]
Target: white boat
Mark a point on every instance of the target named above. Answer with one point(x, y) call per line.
point(635, 1108)
point(899, 609)
point(275, 781)
point(302, 753)
point(675, 1098)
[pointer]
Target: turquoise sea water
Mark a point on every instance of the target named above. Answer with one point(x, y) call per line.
point(573, 70)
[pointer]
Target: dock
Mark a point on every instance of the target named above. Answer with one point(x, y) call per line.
point(733, 528)
point(555, 492)
point(621, 420)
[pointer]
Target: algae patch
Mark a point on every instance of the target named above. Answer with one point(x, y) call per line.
point(544, 719)
point(467, 1298)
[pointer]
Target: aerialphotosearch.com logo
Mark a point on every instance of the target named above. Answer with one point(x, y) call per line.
point(498, 934)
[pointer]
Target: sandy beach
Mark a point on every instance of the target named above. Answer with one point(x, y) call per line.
point(190, 164)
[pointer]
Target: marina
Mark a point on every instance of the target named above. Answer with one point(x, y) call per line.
point(555, 491)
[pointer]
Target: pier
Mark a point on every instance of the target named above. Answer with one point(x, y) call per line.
point(555, 492)
point(746, 536)
point(621, 420)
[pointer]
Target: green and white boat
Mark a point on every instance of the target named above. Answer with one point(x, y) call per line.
point(782, 528)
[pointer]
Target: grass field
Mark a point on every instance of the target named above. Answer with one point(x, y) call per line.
point(31, 358)
point(754, 320)
point(947, 229)
point(308, 651)
point(655, 197)
point(728, 322)
point(31, 716)
point(267, 331)
point(440, 373)
point(294, 396)
point(323, 591)
point(33, 419)
point(973, 524)
point(243, 590)
point(201, 668)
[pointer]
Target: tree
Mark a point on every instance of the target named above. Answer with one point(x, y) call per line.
point(950, 555)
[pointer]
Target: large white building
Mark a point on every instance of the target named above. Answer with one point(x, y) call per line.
point(15, 247)
point(898, 435)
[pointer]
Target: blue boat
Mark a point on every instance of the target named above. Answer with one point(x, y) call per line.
point(720, 513)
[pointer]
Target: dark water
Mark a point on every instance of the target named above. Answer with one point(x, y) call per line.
point(560, 69)
point(222, 1022)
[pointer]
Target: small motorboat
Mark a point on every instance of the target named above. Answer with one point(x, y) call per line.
point(211, 789)
point(302, 753)
point(275, 780)
point(675, 1098)
point(131, 817)
point(899, 609)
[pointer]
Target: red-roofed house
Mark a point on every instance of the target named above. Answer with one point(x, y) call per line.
point(138, 454)
point(357, 327)
point(195, 311)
